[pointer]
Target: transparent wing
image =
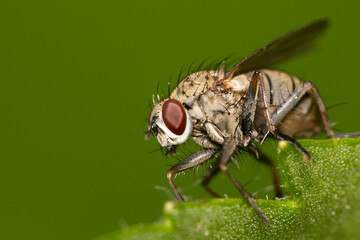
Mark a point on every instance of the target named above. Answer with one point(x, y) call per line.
point(288, 45)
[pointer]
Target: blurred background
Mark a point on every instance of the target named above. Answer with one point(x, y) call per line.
point(76, 80)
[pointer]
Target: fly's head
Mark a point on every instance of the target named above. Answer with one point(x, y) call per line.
point(170, 124)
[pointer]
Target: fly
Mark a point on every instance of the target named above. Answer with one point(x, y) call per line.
point(225, 112)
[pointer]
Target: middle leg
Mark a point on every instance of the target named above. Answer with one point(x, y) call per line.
point(273, 119)
point(227, 152)
point(209, 176)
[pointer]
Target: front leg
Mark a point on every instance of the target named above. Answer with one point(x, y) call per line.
point(192, 161)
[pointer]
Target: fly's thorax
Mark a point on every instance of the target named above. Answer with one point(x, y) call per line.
point(194, 85)
point(208, 100)
point(221, 109)
point(170, 123)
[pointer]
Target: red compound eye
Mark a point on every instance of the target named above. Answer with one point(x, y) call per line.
point(174, 116)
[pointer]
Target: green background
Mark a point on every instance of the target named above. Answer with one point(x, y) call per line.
point(76, 79)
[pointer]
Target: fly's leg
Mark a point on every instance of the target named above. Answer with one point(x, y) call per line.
point(284, 137)
point(209, 176)
point(276, 182)
point(322, 109)
point(295, 97)
point(228, 150)
point(263, 158)
point(289, 105)
point(269, 121)
point(192, 161)
point(248, 122)
point(347, 135)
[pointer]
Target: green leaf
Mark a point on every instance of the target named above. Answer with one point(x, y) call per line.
point(322, 201)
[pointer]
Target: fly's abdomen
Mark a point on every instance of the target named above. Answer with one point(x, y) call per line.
point(303, 121)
